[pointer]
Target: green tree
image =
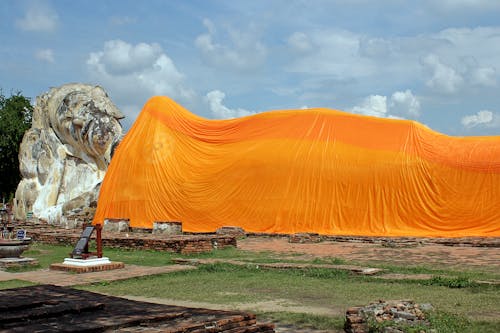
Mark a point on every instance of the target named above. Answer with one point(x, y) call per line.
point(15, 118)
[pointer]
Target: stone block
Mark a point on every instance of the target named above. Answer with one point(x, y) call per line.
point(231, 230)
point(167, 227)
point(116, 225)
point(304, 238)
point(17, 262)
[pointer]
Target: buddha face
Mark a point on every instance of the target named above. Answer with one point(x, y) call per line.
point(88, 120)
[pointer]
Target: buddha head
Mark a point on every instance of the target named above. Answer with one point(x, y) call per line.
point(85, 120)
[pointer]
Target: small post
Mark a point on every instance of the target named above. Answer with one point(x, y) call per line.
point(99, 240)
point(86, 248)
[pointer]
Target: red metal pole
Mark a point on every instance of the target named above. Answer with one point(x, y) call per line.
point(99, 240)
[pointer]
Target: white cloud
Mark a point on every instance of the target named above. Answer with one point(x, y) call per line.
point(405, 103)
point(336, 52)
point(219, 110)
point(472, 57)
point(373, 105)
point(134, 73)
point(38, 17)
point(46, 55)
point(443, 78)
point(483, 118)
point(121, 58)
point(401, 105)
point(243, 51)
point(448, 62)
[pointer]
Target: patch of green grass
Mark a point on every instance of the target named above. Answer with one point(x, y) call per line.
point(451, 282)
point(304, 320)
point(47, 254)
point(236, 254)
point(483, 327)
point(328, 261)
point(470, 274)
point(9, 284)
point(140, 257)
point(19, 269)
point(31, 252)
point(223, 283)
point(446, 322)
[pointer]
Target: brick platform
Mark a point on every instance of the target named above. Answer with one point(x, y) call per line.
point(185, 244)
point(87, 269)
point(49, 308)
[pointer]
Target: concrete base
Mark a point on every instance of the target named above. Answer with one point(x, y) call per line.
point(17, 262)
point(86, 262)
point(87, 265)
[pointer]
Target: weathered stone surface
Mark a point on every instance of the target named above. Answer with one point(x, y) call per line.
point(394, 314)
point(185, 244)
point(64, 155)
point(116, 225)
point(49, 308)
point(305, 238)
point(17, 262)
point(231, 230)
point(71, 222)
point(167, 227)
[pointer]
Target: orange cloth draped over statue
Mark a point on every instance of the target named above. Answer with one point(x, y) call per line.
point(317, 170)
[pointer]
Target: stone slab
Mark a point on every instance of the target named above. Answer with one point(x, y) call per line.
point(17, 262)
point(282, 265)
point(49, 308)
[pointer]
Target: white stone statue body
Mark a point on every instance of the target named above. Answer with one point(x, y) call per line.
point(64, 155)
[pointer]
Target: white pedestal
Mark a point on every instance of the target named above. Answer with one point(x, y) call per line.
point(86, 262)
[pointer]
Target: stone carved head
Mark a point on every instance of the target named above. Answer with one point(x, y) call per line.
point(64, 155)
point(85, 120)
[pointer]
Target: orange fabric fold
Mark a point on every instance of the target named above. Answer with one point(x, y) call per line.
point(289, 171)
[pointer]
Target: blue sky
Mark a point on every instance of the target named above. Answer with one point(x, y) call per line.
point(437, 62)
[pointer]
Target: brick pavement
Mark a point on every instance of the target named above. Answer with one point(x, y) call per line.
point(483, 258)
point(59, 278)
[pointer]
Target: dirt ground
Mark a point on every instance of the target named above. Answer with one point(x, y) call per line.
point(485, 259)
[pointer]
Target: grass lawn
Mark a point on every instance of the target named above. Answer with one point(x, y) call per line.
point(456, 298)
point(49, 254)
point(14, 284)
point(222, 283)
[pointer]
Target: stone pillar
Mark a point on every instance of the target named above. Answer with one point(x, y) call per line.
point(116, 225)
point(167, 227)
